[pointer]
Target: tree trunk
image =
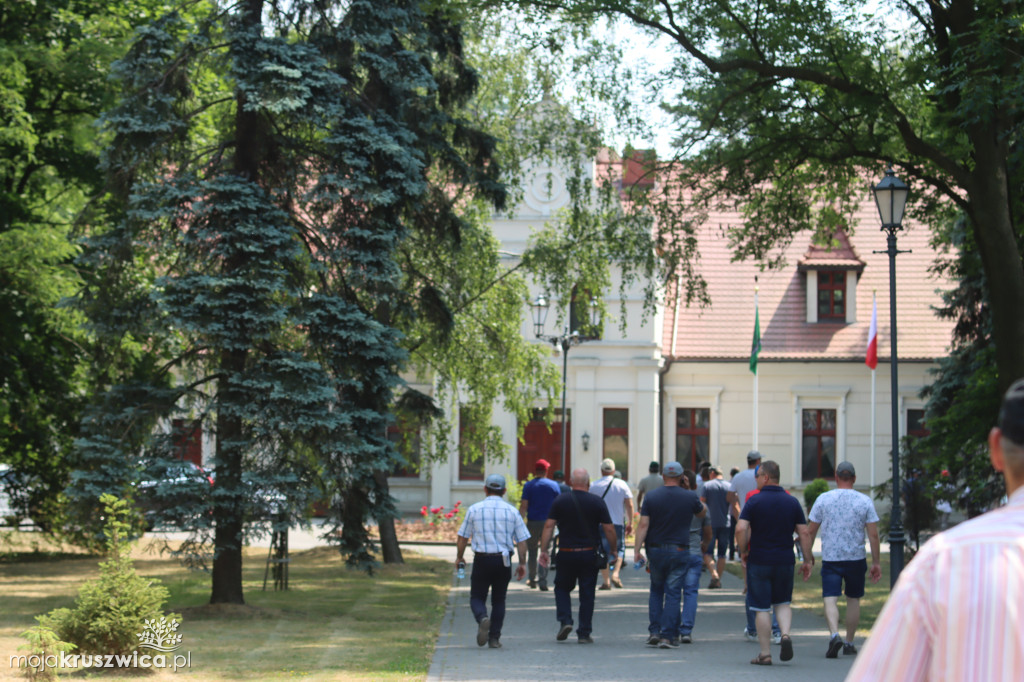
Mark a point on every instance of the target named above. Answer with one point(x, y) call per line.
point(1000, 256)
point(391, 553)
point(228, 494)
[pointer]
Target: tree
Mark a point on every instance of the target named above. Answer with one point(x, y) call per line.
point(271, 161)
point(54, 61)
point(785, 109)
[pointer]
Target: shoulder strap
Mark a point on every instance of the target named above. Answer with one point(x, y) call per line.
point(583, 521)
point(607, 488)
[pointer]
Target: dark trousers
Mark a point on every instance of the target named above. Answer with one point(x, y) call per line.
point(573, 568)
point(489, 573)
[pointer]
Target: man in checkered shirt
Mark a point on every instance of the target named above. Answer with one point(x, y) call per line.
point(494, 527)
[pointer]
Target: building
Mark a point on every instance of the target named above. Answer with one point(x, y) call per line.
point(678, 386)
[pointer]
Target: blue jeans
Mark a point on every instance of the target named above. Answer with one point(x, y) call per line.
point(620, 533)
point(669, 567)
point(489, 573)
point(573, 567)
point(690, 587)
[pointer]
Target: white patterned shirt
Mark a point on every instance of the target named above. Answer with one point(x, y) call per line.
point(958, 608)
point(493, 525)
point(842, 514)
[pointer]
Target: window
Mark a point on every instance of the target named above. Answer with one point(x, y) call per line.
point(581, 315)
point(470, 446)
point(187, 440)
point(819, 444)
point(693, 428)
point(915, 424)
point(616, 438)
point(405, 438)
point(832, 295)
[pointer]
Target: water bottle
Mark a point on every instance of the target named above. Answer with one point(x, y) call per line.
point(637, 565)
point(462, 570)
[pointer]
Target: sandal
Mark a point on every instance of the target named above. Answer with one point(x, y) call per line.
point(616, 582)
point(787, 648)
point(762, 659)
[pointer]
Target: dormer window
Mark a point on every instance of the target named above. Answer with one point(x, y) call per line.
point(832, 295)
point(831, 273)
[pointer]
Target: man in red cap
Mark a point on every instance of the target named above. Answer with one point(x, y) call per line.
point(538, 494)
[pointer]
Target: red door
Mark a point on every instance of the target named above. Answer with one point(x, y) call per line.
point(539, 443)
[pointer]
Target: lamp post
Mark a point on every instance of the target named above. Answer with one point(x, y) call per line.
point(539, 310)
point(891, 199)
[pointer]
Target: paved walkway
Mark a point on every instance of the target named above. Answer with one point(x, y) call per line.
point(530, 652)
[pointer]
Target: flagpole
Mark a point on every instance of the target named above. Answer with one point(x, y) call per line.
point(872, 360)
point(755, 349)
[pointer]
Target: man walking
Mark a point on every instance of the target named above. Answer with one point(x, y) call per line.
point(764, 538)
point(743, 484)
point(955, 613)
point(494, 527)
point(578, 515)
point(619, 499)
point(844, 515)
point(538, 494)
point(648, 483)
point(700, 539)
point(720, 500)
point(664, 526)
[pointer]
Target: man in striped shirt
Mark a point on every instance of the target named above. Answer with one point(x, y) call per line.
point(957, 612)
point(494, 527)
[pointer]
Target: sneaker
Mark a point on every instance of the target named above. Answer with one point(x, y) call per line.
point(563, 632)
point(776, 638)
point(834, 645)
point(653, 640)
point(493, 644)
point(686, 639)
point(849, 649)
point(751, 636)
point(543, 587)
point(483, 631)
point(670, 643)
point(531, 584)
point(585, 639)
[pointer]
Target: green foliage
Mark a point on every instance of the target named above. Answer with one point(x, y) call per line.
point(43, 643)
point(111, 611)
point(787, 112)
point(813, 490)
point(514, 490)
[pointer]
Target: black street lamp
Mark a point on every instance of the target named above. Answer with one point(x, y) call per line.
point(539, 310)
point(891, 199)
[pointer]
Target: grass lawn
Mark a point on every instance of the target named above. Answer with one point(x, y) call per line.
point(807, 595)
point(332, 624)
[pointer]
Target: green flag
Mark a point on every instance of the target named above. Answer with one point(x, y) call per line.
point(755, 346)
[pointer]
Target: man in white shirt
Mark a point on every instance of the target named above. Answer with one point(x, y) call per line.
point(619, 499)
point(843, 515)
point(955, 613)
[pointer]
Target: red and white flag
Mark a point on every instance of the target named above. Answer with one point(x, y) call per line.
point(871, 360)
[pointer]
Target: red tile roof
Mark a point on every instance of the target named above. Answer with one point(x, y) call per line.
point(725, 329)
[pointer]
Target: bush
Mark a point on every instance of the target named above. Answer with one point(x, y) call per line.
point(43, 646)
point(112, 612)
point(813, 489)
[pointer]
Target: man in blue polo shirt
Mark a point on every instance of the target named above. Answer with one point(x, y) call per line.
point(764, 538)
point(665, 520)
point(538, 494)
